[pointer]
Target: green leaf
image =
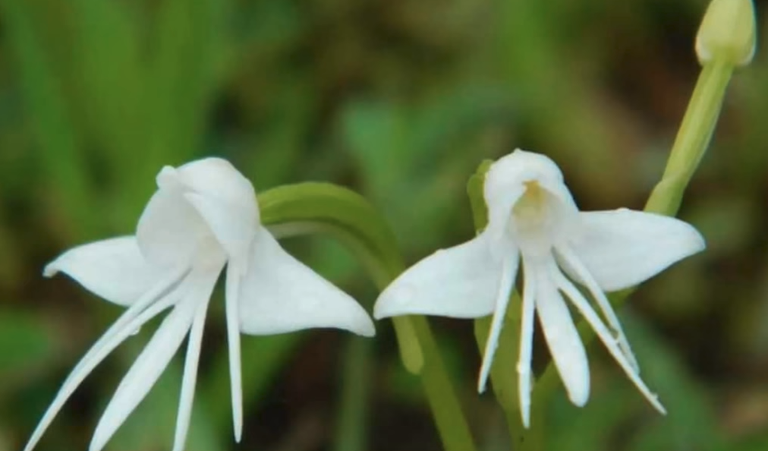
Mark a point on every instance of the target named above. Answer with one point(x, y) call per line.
point(185, 69)
point(52, 124)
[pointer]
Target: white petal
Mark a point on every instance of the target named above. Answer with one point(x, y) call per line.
point(459, 282)
point(520, 166)
point(201, 197)
point(190, 377)
point(507, 183)
point(622, 248)
point(508, 275)
point(586, 278)
point(170, 229)
point(281, 294)
point(154, 358)
point(224, 198)
point(139, 313)
point(562, 337)
point(605, 336)
point(113, 269)
point(226, 222)
point(216, 178)
point(526, 345)
point(233, 282)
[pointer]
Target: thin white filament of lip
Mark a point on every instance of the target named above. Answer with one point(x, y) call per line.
point(602, 301)
point(190, 377)
point(143, 310)
point(506, 281)
point(582, 305)
point(526, 343)
point(152, 360)
point(232, 292)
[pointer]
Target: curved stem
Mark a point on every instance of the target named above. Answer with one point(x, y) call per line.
point(310, 208)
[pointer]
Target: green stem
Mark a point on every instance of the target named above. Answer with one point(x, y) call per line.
point(310, 208)
point(451, 424)
point(352, 426)
point(692, 138)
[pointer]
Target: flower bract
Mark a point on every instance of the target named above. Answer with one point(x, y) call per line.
point(203, 217)
point(535, 230)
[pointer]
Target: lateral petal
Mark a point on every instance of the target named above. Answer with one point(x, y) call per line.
point(562, 337)
point(622, 248)
point(280, 294)
point(459, 282)
point(113, 269)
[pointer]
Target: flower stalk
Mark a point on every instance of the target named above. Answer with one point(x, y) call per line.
point(309, 208)
point(725, 41)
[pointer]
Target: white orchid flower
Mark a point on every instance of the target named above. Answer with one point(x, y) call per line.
point(533, 218)
point(203, 216)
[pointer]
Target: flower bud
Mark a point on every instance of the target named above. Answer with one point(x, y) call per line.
point(727, 32)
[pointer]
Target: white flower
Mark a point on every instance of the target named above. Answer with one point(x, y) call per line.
point(203, 216)
point(533, 218)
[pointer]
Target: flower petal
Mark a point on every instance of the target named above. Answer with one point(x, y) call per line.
point(226, 222)
point(170, 228)
point(622, 248)
point(137, 314)
point(190, 377)
point(224, 198)
point(573, 262)
point(113, 269)
point(217, 178)
point(154, 358)
point(508, 276)
point(460, 282)
point(233, 283)
point(605, 336)
point(280, 294)
point(526, 345)
point(562, 337)
point(509, 181)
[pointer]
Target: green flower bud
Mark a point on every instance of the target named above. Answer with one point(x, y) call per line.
point(727, 32)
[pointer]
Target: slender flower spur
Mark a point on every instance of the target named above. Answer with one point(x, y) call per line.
point(533, 219)
point(203, 216)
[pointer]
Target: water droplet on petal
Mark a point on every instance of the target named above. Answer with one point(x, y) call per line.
point(135, 331)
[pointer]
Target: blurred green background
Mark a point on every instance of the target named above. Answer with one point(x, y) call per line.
point(400, 100)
